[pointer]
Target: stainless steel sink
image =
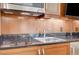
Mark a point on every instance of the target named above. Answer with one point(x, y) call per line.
point(49, 39)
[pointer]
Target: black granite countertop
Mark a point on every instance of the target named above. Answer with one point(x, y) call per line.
point(19, 41)
point(38, 43)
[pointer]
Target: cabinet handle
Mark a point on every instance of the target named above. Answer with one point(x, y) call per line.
point(43, 51)
point(39, 52)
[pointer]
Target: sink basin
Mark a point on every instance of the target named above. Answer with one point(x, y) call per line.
point(49, 39)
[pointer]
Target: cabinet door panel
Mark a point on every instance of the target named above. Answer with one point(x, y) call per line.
point(20, 51)
point(58, 49)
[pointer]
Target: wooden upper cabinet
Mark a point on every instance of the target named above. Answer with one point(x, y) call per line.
point(62, 9)
point(56, 49)
point(55, 9)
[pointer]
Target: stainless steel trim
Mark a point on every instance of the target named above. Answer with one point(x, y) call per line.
point(22, 8)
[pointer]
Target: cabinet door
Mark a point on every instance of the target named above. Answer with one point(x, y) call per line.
point(21, 51)
point(56, 49)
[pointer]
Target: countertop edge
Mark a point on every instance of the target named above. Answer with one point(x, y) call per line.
point(38, 45)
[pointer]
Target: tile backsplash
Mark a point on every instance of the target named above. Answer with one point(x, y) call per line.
point(12, 24)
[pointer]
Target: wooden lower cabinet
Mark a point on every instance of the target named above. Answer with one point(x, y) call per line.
point(21, 51)
point(55, 49)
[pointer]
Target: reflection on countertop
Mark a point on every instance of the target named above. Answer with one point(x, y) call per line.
point(19, 40)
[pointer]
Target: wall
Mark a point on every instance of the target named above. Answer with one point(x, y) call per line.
point(12, 24)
